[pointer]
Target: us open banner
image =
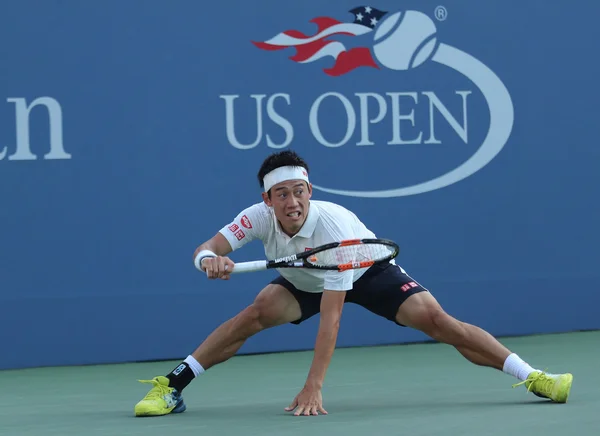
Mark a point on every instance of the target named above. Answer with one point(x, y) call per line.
point(130, 132)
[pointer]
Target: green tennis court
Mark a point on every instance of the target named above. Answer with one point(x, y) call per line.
point(420, 389)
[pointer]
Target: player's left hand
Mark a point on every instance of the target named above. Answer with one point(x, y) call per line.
point(308, 402)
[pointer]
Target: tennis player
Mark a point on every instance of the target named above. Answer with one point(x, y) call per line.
point(287, 221)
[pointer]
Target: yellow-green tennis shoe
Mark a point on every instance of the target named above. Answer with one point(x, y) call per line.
point(161, 400)
point(553, 386)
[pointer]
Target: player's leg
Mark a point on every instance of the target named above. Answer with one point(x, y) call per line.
point(277, 304)
point(273, 306)
point(389, 292)
point(422, 312)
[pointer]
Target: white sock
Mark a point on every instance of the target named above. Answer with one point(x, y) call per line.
point(517, 367)
point(194, 365)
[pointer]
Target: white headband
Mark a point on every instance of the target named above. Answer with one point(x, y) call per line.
point(283, 174)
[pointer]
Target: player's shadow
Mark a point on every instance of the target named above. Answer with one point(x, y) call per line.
point(356, 405)
point(432, 405)
point(399, 404)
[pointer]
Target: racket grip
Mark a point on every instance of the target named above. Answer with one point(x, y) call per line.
point(243, 267)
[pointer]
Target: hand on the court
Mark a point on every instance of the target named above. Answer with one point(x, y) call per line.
point(308, 402)
point(219, 267)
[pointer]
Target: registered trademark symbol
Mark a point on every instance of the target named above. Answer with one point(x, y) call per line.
point(441, 13)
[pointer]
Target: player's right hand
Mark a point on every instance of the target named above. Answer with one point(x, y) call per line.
point(219, 267)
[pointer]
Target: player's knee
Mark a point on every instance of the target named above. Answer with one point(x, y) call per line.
point(246, 320)
point(437, 324)
point(262, 313)
point(448, 329)
point(250, 321)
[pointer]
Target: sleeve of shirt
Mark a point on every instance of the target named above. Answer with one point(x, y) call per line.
point(250, 224)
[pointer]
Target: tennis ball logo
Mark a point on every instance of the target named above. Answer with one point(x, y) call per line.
point(405, 40)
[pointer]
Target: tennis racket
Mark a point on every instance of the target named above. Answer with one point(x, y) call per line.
point(335, 256)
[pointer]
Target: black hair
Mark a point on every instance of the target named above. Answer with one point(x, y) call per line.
point(280, 159)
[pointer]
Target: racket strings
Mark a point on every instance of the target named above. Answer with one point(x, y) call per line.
point(346, 254)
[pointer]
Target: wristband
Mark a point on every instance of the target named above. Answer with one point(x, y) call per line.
point(202, 255)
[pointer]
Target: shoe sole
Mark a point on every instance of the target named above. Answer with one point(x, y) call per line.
point(179, 408)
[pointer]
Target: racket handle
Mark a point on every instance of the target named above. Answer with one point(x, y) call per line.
point(242, 267)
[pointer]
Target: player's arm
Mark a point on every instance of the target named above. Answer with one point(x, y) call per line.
point(332, 303)
point(210, 257)
point(250, 224)
point(336, 284)
point(309, 401)
point(218, 244)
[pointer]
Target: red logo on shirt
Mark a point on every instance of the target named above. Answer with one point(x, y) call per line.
point(246, 222)
point(307, 249)
point(240, 235)
point(407, 286)
point(233, 228)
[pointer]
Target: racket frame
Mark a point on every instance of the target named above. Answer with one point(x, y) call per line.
point(300, 260)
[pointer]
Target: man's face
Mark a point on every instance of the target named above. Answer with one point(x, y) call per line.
point(290, 202)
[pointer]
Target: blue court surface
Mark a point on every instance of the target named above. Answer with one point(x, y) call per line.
point(419, 389)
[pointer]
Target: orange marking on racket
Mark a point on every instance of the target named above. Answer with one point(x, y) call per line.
point(349, 242)
point(352, 265)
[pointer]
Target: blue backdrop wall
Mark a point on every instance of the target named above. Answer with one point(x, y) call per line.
point(130, 132)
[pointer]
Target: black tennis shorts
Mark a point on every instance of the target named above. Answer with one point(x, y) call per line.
point(381, 290)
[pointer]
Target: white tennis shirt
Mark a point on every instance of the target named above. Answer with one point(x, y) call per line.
point(326, 222)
